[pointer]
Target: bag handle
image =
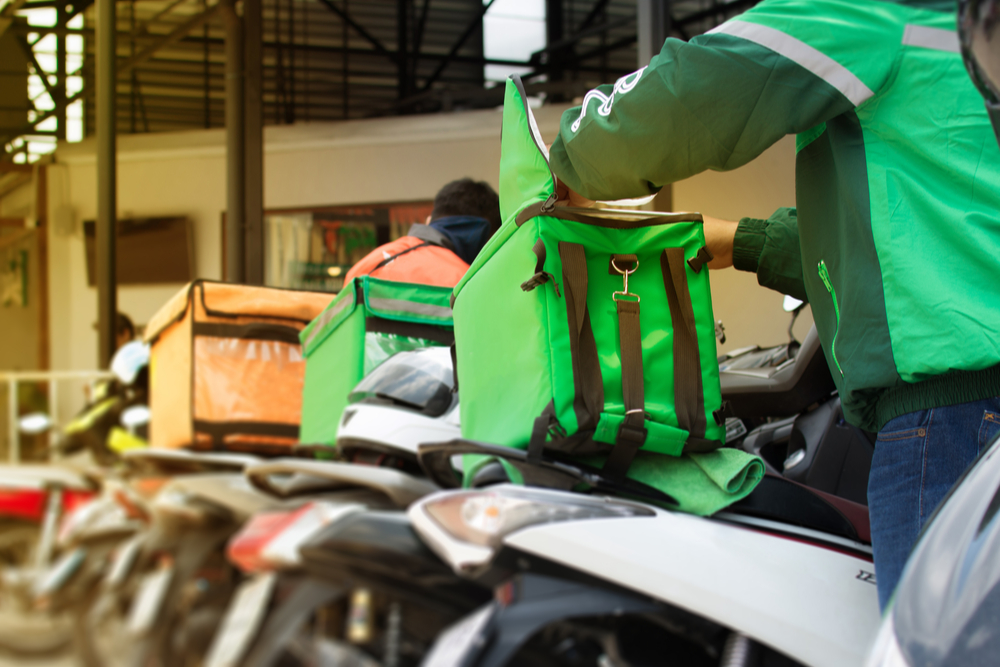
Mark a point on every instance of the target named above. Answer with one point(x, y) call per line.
point(610, 218)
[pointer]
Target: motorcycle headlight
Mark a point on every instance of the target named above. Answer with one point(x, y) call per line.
point(886, 651)
point(466, 528)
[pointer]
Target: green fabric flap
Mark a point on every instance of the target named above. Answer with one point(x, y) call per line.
point(730, 468)
point(473, 463)
point(525, 177)
point(407, 302)
point(661, 438)
point(327, 322)
point(703, 484)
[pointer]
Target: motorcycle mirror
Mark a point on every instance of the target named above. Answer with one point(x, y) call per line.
point(134, 417)
point(35, 423)
point(791, 304)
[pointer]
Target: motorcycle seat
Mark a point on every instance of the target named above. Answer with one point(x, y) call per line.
point(779, 499)
point(286, 478)
point(182, 461)
point(43, 477)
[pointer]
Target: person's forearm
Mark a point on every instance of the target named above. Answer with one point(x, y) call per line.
point(770, 248)
point(719, 236)
point(699, 105)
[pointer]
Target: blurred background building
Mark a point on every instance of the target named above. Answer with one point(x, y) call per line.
point(356, 112)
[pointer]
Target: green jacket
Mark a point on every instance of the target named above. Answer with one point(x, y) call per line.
point(895, 240)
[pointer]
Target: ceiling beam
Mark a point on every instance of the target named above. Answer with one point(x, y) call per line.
point(7, 15)
point(459, 43)
point(583, 34)
point(715, 10)
point(174, 35)
point(592, 15)
point(358, 28)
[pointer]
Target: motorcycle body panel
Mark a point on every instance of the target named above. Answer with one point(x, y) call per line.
point(24, 490)
point(813, 603)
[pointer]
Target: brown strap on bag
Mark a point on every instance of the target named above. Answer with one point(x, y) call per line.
point(632, 433)
point(588, 386)
point(689, 398)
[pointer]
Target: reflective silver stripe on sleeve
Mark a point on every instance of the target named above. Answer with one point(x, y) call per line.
point(799, 52)
point(937, 39)
point(414, 307)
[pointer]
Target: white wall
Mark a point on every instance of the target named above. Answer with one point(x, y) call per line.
point(171, 174)
point(355, 162)
point(19, 325)
point(751, 314)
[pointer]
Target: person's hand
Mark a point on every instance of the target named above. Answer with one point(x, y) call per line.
point(719, 235)
point(566, 197)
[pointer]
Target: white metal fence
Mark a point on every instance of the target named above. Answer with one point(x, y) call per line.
point(54, 379)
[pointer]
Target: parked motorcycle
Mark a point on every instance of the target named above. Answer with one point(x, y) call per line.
point(589, 570)
point(33, 501)
point(45, 503)
point(157, 596)
point(775, 568)
point(345, 578)
point(782, 405)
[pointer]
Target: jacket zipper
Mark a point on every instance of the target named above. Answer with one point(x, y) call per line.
point(824, 275)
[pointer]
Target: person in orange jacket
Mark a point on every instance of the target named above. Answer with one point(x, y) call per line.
point(466, 214)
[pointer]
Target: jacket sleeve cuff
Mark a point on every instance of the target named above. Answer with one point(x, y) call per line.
point(748, 244)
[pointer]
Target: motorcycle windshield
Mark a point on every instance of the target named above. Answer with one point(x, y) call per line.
point(421, 380)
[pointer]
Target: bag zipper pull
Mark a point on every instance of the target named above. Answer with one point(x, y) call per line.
point(549, 203)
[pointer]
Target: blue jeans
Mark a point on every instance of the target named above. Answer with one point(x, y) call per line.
point(918, 457)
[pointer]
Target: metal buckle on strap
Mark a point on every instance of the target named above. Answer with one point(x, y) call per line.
point(540, 279)
point(625, 273)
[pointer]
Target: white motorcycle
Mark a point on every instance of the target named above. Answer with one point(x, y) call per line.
point(786, 573)
point(589, 571)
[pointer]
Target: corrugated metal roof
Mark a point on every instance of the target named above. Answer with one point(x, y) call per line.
point(335, 59)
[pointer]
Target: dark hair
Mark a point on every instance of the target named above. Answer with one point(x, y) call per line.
point(123, 324)
point(468, 197)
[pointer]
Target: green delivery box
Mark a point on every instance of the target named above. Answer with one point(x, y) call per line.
point(369, 321)
point(585, 332)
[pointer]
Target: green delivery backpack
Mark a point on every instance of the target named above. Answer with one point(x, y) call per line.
point(368, 322)
point(582, 331)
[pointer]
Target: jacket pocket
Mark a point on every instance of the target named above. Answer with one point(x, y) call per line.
point(824, 275)
point(988, 429)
